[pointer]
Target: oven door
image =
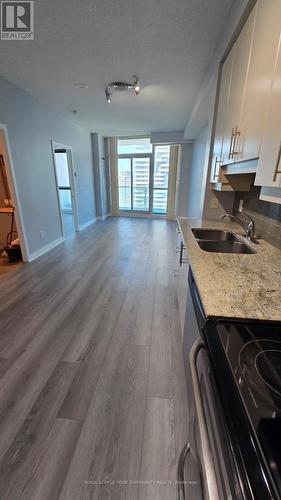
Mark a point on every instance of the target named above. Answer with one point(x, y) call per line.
point(203, 472)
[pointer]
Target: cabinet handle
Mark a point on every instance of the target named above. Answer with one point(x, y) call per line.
point(231, 143)
point(236, 134)
point(182, 261)
point(216, 175)
point(182, 459)
point(276, 171)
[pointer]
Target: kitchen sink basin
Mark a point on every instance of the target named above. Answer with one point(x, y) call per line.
point(226, 247)
point(213, 234)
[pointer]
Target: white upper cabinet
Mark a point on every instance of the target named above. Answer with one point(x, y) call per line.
point(242, 49)
point(269, 164)
point(259, 78)
point(221, 114)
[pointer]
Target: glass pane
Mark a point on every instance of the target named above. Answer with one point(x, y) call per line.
point(134, 146)
point(62, 169)
point(124, 183)
point(65, 199)
point(160, 198)
point(161, 166)
point(141, 184)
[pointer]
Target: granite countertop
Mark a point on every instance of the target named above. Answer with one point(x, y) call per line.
point(231, 285)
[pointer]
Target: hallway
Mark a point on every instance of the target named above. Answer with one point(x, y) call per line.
point(92, 393)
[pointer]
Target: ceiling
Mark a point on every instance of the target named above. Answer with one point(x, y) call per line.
point(167, 43)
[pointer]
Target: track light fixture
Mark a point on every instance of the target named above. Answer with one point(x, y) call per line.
point(107, 94)
point(121, 86)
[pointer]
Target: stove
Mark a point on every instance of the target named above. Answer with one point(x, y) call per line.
point(247, 364)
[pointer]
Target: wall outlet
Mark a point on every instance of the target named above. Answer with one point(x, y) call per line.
point(214, 203)
point(240, 208)
point(42, 234)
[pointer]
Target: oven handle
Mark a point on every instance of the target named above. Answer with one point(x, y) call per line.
point(182, 459)
point(207, 465)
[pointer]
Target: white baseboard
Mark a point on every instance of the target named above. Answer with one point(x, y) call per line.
point(103, 217)
point(141, 216)
point(89, 223)
point(45, 249)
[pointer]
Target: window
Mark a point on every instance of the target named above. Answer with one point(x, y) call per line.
point(63, 180)
point(138, 145)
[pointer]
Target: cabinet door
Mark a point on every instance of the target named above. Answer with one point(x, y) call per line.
point(182, 290)
point(260, 75)
point(181, 278)
point(242, 50)
point(221, 113)
point(269, 164)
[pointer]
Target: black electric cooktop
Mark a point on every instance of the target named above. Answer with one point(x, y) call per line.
point(252, 355)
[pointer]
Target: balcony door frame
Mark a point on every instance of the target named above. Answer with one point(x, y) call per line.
point(131, 157)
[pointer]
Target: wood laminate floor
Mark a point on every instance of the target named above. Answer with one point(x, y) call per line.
point(6, 266)
point(92, 390)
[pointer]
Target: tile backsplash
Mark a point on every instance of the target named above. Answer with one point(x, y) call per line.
point(267, 216)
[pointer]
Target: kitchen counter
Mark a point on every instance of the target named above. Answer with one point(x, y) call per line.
point(231, 285)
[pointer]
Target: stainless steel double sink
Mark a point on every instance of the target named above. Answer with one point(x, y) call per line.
point(220, 241)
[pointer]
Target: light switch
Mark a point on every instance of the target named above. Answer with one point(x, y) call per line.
point(214, 203)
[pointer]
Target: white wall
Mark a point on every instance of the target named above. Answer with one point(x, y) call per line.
point(31, 127)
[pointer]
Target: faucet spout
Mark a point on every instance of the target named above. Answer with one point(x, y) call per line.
point(248, 228)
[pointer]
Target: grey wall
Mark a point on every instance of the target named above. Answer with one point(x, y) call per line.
point(100, 174)
point(31, 127)
point(197, 197)
point(183, 180)
point(167, 137)
point(195, 193)
point(202, 106)
point(204, 112)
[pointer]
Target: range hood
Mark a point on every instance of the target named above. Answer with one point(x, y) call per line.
point(240, 175)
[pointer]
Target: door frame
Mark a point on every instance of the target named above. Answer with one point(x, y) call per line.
point(149, 212)
point(72, 176)
point(10, 170)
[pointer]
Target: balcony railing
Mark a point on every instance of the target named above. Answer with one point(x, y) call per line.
point(140, 201)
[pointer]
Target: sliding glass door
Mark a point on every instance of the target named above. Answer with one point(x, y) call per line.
point(143, 176)
point(141, 180)
point(125, 183)
point(134, 183)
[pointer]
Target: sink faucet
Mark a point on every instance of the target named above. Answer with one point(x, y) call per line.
point(248, 228)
